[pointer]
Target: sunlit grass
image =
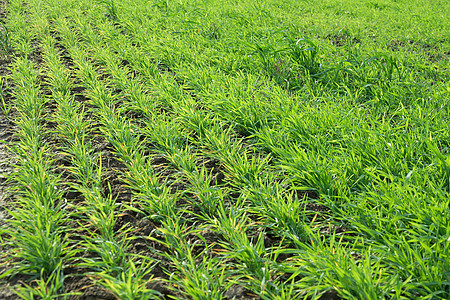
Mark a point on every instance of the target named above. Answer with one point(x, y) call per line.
point(310, 140)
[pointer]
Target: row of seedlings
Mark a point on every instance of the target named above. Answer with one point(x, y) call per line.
point(96, 213)
point(38, 233)
point(117, 270)
point(204, 279)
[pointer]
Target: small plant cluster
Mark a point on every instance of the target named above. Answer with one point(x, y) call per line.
point(111, 9)
point(246, 157)
point(299, 62)
point(5, 40)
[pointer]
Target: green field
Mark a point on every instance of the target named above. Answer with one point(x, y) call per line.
point(253, 149)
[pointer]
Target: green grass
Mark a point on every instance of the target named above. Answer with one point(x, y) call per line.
point(310, 140)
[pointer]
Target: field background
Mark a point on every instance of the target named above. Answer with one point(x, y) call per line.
point(220, 149)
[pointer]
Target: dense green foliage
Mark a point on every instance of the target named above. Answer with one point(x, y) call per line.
point(342, 105)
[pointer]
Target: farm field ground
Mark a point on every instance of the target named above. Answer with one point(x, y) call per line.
point(253, 149)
